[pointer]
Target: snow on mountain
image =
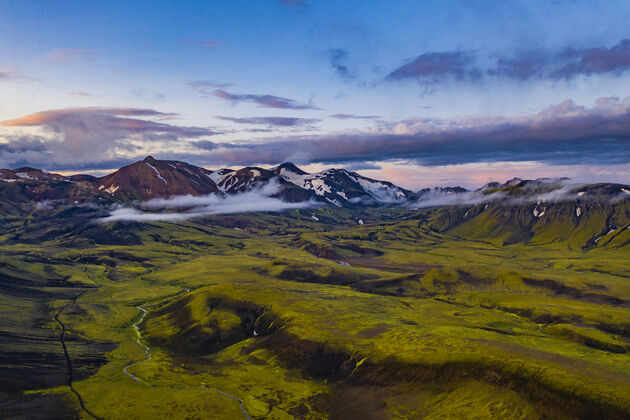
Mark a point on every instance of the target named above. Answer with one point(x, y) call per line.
point(340, 186)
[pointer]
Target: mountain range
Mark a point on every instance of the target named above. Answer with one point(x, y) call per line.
point(545, 209)
point(152, 178)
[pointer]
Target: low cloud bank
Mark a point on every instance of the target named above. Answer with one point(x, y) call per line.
point(260, 199)
point(564, 192)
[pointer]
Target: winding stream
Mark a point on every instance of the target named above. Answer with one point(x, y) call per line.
point(147, 352)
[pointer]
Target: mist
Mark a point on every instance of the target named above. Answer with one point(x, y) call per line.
point(259, 199)
point(565, 191)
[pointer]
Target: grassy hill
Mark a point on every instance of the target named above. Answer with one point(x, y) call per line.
point(414, 314)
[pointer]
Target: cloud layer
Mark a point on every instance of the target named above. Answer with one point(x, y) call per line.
point(272, 121)
point(264, 101)
point(251, 201)
point(566, 133)
point(563, 134)
point(568, 63)
point(92, 134)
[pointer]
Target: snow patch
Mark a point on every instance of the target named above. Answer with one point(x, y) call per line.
point(578, 212)
point(112, 189)
point(219, 176)
point(157, 173)
point(315, 218)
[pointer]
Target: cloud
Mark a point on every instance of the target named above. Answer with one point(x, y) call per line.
point(615, 59)
point(205, 87)
point(260, 199)
point(562, 134)
point(273, 121)
point(145, 94)
point(207, 43)
point(352, 116)
point(337, 57)
point(90, 134)
point(562, 64)
point(7, 75)
point(362, 166)
point(60, 55)
point(554, 190)
point(263, 101)
point(210, 145)
point(87, 94)
point(433, 66)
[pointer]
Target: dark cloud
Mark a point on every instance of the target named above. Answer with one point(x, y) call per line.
point(615, 59)
point(524, 65)
point(273, 121)
point(565, 64)
point(264, 101)
point(562, 134)
point(78, 135)
point(433, 66)
point(362, 166)
point(352, 116)
point(210, 145)
point(338, 57)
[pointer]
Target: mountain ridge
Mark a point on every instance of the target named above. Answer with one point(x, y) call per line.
point(152, 178)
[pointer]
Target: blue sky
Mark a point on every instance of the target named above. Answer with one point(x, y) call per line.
point(420, 93)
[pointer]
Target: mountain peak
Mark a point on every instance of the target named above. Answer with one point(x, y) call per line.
point(289, 167)
point(149, 159)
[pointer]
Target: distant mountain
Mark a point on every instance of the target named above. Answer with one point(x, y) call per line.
point(340, 187)
point(540, 211)
point(441, 190)
point(152, 178)
point(28, 174)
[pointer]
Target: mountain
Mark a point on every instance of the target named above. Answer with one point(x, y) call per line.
point(541, 211)
point(544, 209)
point(152, 178)
point(440, 190)
point(30, 174)
point(231, 181)
point(340, 187)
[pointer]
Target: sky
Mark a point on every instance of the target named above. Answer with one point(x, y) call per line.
point(420, 93)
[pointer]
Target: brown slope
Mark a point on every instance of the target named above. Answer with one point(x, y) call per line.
point(151, 178)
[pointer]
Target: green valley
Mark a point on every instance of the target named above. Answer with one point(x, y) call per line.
point(412, 314)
